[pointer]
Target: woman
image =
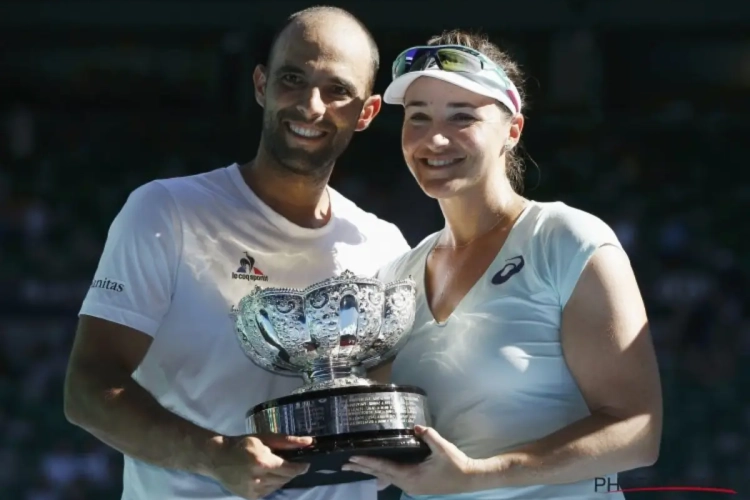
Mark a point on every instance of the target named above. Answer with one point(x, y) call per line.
point(531, 338)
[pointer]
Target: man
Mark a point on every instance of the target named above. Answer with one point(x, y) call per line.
point(156, 369)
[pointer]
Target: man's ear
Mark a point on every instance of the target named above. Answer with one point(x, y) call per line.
point(369, 111)
point(259, 82)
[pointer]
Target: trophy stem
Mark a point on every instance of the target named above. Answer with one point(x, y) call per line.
point(331, 369)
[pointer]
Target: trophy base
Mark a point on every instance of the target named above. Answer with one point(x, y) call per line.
point(374, 420)
point(330, 453)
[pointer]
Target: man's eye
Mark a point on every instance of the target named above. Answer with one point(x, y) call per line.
point(341, 91)
point(291, 79)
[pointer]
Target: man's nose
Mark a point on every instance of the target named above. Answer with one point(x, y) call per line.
point(312, 105)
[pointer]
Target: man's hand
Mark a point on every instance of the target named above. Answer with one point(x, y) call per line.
point(247, 466)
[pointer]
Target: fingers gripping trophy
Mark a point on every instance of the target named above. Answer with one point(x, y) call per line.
point(330, 334)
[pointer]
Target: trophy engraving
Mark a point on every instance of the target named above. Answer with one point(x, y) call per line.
point(330, 334)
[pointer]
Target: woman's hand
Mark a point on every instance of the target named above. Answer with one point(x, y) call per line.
point(447, 469)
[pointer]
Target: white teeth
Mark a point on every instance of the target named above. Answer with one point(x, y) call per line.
point(440, 163)
point(305, 132)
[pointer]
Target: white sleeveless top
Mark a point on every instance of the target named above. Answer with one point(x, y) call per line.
point(494, 372)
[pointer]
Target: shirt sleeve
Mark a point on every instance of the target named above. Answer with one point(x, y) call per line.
point(135, 277)
point(395, 248)
point(398, 244)
point(572, 238)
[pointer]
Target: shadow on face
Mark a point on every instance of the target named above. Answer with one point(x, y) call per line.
point(314, 94)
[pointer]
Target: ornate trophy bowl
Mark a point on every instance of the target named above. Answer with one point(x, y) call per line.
point(330, 334)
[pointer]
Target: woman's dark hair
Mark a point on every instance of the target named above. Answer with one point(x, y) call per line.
point(481, 43)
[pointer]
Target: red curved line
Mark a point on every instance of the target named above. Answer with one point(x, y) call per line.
point(678, 488)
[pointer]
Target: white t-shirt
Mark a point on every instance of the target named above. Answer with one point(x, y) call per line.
point(494, 372)
point(179, 257)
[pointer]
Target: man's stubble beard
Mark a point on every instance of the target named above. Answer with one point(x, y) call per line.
point(317, 165)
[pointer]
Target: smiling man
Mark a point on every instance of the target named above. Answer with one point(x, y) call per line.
point(316, 91)
point(156, 370)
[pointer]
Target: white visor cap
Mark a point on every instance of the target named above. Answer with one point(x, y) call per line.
point(486, 82)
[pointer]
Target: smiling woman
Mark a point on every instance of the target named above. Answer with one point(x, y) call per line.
point(455, 158)
point(530, 337)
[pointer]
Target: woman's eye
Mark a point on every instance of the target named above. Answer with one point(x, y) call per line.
point(462, 117)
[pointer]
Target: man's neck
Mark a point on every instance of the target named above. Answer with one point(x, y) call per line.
point(303, 200)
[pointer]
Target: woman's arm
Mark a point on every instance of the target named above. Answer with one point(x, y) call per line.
point(608, 349)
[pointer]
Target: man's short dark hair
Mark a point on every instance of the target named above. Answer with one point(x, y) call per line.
point(320, 9)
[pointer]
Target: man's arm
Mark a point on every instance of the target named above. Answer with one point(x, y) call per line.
point(102, 398)
point(116, 328)
point(122, 312)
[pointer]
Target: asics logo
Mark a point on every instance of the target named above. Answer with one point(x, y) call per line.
point(512, 266)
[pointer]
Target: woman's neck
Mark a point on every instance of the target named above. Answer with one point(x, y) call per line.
point(478, 211)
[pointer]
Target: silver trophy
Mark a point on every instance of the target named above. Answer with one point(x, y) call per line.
point(330, 334)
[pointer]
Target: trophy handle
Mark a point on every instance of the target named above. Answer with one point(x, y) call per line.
point(399, 311)
point(261, 345)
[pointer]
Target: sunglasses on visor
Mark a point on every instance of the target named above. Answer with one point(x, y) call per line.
point(458, 59)
point(455, 58)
